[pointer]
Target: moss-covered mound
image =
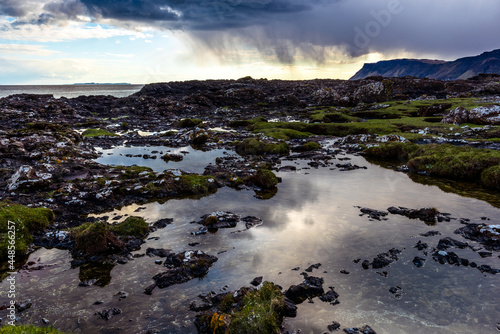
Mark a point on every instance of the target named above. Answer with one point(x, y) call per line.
point(132, 226)
point(463, 163)
point(490, 177)
point(26, 221)
point(309, 146)
point(252, 146)
point(399, 151)
point(265, 179)
point(193, 184)
point(260, 311)
point(96, 239)
point(444, 160)
point(247, 311)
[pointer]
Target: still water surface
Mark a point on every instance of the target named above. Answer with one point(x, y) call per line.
point(70, 91)
point(313, 218)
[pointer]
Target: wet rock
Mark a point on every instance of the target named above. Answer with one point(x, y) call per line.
point(251, 221)
point(382, 260)
point(287, 169)
point(447, 257)
point(110, 313)
point(149, 289)
point(313, 266)
point(121, 294)
point(20, 307)
point(363, 330)
point(424, 214)
point(373, 214)
point(256, 281)
point(330, 297)
point(485, 254)
point(486, 235)
point(159, 252)
point(487, 269)
point(349, 167)
point(430, 234)
point(184, 267)
point(290, 309)
point(421, 245)
point(334, 326)
point(448, 242)
point(132, 243)
point(162, 223)
point(418, 261)
point(222, 219)
point(311, 287)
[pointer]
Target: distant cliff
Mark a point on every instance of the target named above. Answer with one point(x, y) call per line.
point(463, 68)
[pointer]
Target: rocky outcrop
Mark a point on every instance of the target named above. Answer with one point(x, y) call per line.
point(483, 115)
point(463, 68)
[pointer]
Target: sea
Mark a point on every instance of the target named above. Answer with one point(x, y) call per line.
point(70, 91)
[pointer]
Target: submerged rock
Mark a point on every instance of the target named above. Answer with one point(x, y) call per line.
point(110, 313)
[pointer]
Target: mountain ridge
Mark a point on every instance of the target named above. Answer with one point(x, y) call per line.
point(462, 68)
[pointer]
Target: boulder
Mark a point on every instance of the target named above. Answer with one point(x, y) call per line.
point(485, 115)
point(456, 116)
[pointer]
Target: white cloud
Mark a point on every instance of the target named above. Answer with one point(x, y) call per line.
point(120, 55)
point(38, 50)
point(72, 31)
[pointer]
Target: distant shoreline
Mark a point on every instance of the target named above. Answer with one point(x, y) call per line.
point(93, 83)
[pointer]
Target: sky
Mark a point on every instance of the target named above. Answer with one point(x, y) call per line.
point(144, 41)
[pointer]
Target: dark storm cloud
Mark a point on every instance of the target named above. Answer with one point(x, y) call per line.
point(286, 29)
point(14, 8)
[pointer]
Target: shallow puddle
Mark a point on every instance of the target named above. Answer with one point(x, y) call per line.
point(312, 219)
point(194, 161)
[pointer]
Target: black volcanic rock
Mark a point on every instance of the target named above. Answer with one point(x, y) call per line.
point(460, 69)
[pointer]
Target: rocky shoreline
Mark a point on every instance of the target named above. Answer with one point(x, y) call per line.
point(49, 148)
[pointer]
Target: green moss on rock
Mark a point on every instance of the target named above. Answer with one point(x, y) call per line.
point(96, 239)
point(445, 160)
point(265, 179)
point(462, 163)
point(26, 221)
point(309, 146)
point(490, 177)
point(196, 184)
point(98, 132)
point(391, 151)
point(253, 146)
point(132, 226)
